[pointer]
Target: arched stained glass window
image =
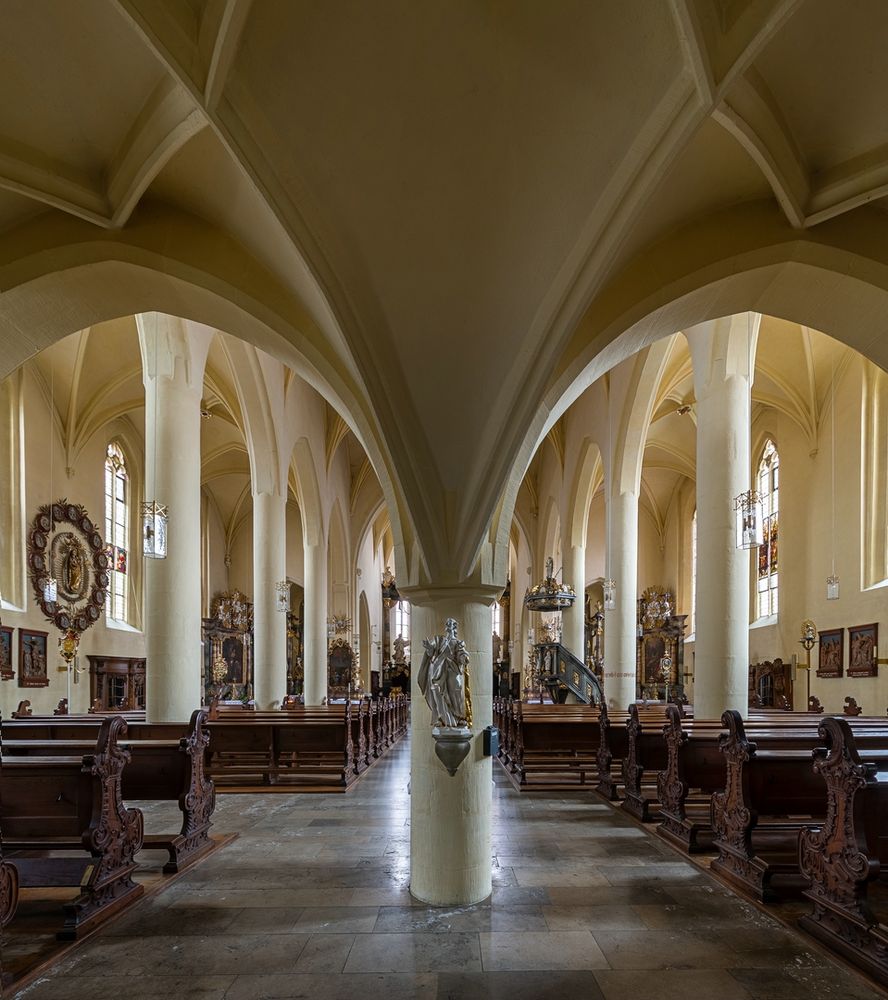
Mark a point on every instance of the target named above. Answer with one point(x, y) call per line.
point(768, 486)
point(116, 530)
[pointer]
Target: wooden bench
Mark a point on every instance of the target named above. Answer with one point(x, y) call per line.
point(551, 746)
point(305, 748)
point(771, 793)
point(159, 770)
point(54, 806)
point(843, 857)
point(645, 757)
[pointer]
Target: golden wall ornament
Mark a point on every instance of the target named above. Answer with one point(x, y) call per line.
point(65, 545)
point(232, 610)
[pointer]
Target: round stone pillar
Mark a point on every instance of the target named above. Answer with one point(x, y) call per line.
point(173, 356)
point(723, 356)
point(722, 618)
point(315, 624)
point(450, 860)
point(573, 620)
point(620, 624)
point(269, 624)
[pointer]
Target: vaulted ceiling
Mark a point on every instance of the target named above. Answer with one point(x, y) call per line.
point(427, 202)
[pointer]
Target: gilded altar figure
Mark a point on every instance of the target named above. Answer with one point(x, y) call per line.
point(400, 646)
point(74, 567)
point(443, 678)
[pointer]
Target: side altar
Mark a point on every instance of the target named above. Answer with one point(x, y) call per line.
point(228, 649)
point(660, 656)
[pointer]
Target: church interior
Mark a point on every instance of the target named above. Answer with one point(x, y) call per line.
point(443, 499)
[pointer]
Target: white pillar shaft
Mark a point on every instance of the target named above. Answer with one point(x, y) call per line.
point(620, 637)
point(573, 620)
point(172, 585)
point(269, 624)
point(315, 624)
point(450, 861)
point(722, 615)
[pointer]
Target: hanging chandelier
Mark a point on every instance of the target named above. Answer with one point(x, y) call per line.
point(549, 595)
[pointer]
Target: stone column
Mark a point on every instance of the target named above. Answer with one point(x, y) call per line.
point(315, 624)
point(450, 863)
point(620, 624)
point(269, 624)
point(723, 355)
point(573, 620)
point(173, 357)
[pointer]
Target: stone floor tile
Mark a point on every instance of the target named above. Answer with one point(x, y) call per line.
point(325, 953)
point(559, 875)
point(646, 949)
point(519, 896)
point(789, 982)
point(174, 920)
point(337, 919)
point(447, 919)
point(518, 986)
point(405, 986)
point(115, 987)
point(512, 952)
point(590, 918)
point(675, 984)
point(611, 895)
point(647, 874)
point(223, 954)
point(414, 953)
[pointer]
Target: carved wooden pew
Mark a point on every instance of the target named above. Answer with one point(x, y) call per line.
point(645, 757)
point(843, 857)
point(171, 770)
point(552, 745)
point(770, 788)
point(695, 769)
point(614, 745)
point(9, 881)
point(66, 804)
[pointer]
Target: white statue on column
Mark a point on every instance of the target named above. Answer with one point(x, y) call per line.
point(444, 681)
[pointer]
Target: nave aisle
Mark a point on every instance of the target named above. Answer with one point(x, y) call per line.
point(312, 901)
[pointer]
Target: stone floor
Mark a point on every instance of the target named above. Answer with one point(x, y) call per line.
point(312, 901)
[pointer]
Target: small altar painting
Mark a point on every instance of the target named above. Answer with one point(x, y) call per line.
point(831, 659)
point(7, 672)
point(863, 644)
point(32, 659)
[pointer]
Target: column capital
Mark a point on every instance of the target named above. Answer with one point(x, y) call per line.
point(174, 349)
point(722, 349)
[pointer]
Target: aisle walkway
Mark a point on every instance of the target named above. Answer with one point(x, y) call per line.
point(311, 901)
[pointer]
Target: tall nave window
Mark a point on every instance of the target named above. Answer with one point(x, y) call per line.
point(402, 620)
point(768, 485)
point(116, 527)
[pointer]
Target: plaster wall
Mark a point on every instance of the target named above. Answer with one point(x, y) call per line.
point(84, 485)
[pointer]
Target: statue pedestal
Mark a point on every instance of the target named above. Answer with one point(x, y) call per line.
point(452, 745)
